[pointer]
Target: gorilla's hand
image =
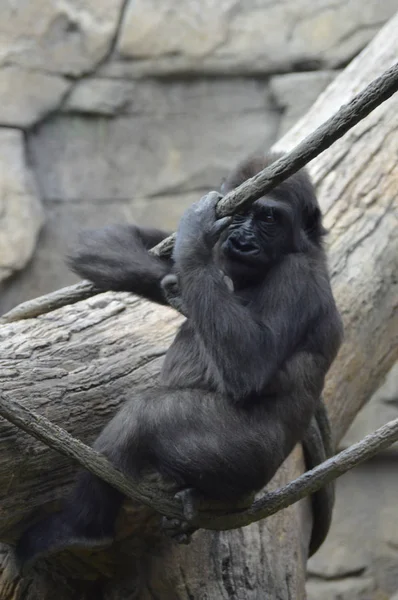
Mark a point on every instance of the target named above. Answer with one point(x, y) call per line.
point(171, 289)
point(199, 228)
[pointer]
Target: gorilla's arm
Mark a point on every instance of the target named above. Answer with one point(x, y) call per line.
point(248, 346)
point(116, 258)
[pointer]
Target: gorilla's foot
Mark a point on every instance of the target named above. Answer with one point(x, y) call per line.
point(181, 530)
point(178, 530)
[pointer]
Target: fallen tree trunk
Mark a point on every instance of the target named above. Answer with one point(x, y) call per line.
point(78, 364)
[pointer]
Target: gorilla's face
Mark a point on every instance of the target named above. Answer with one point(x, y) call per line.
point(256, 240)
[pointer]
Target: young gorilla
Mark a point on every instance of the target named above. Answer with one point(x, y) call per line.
point(244, 375)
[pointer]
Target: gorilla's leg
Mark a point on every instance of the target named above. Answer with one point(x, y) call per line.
point(89, 513)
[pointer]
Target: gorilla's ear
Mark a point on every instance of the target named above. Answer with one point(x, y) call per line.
point(312, 224)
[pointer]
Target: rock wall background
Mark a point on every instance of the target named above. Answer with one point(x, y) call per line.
point(128, 110)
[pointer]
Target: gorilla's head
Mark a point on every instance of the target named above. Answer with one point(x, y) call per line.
point(286, 220)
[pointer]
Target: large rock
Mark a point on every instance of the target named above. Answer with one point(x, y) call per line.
point(20, 210)
point(338, 563)
point(345, 589)
point(170, 139)
point(65, 37)
point(386, 565)
point(243, 36)
point(360, 554)
point(199, 98)
point(27, 96)
point(103, 96)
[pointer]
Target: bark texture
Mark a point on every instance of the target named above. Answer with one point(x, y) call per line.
point(78, 364)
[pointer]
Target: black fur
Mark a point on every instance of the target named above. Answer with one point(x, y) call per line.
point(244, 375)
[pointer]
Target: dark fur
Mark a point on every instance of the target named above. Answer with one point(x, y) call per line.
point(244, 375)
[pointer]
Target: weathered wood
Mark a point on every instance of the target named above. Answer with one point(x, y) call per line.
point(52, 301)
point(78, 364)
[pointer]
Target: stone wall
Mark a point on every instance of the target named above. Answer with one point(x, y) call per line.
point(123, 109)
point(130, 110)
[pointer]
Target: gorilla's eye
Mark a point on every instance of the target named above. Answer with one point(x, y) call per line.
point(269, 216)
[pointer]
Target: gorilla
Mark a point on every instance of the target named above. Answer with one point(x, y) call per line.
point(243, 378)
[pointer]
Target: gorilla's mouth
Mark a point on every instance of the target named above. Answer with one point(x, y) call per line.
point(240, 248)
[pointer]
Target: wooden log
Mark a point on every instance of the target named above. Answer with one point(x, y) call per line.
point(78, 364)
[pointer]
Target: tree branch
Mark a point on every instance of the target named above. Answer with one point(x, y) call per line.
point(270, 503)
point(45, 304)
point(377, 92)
